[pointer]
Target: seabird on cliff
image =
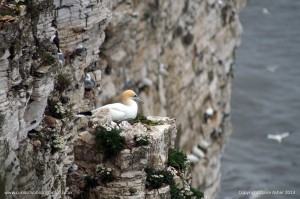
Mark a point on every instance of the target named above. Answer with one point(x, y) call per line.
point(81, 51)
point(89, 83)
point(192, 158)
point(278, 137)
point(208, 114)
point(120, 111)
point(163, 70)
point(61, 58)
point(198, 152)
point(54, 39)
point(72, 168)
point(54, 23)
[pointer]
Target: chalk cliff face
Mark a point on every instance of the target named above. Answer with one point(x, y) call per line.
point(179, 57)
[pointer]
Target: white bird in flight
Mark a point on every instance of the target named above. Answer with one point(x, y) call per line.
point(265, 11)
point(278, 137)
point(120, 111)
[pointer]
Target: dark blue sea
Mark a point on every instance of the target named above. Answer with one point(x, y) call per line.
point(266, 100)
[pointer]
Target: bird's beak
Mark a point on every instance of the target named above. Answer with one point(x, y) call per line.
point(137, 99)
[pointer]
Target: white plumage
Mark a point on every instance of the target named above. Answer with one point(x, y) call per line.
point(121, 111)
point(89, 83)
point(278, 137)
point(192, 158)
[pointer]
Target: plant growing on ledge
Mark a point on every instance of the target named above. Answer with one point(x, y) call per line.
point(62, 83)
point(185, 193)
point(57, 144)
point(90, 182)
point(57, 109)
point(157, 178)
point(144, 120)
point(109, 141)
point(142, 140)
point(177, 159)
point(105, 174)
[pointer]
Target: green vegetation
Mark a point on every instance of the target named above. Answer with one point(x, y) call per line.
point(142, 140)
point(157, 178)
point(62, 83)
point(185, 193)
point(57, 144)
point(55, 108)
point(143, 119)
point(175, 192)
point(46, 57)
point(105, 174)
point(109, 141)
point(198, 194)
point(177, 159)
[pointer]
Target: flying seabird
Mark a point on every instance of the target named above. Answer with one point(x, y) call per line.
point(278, 137)
point(265, 11)
point(89, 83)
point(81, 51)
point(272, 68)
point(120, 111)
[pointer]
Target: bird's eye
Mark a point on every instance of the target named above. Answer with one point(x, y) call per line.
point(135, 96)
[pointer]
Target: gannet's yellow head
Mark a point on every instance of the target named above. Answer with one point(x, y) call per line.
point(130, 95)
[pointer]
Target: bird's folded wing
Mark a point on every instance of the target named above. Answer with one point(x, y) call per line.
point(117, 115)
point(117, 110)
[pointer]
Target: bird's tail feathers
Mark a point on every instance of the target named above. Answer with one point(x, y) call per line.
point(84, 114)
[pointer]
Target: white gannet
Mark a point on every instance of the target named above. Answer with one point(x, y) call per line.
point(278, 137)
point(89, 83)
point(120, 111)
